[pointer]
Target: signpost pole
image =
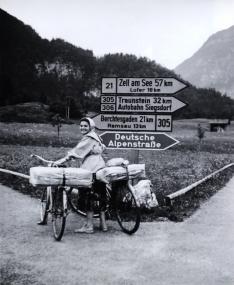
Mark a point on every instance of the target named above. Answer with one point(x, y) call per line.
point(134, 156)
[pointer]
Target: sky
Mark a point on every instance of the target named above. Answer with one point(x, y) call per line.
point(167, 31)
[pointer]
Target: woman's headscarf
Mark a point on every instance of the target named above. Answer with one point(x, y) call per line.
point(89, 121)
point(91, 133)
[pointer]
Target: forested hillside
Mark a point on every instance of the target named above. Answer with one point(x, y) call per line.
point(58, 74)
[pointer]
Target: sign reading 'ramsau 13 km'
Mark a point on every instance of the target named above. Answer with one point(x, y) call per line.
point(131, 140)
point(156, 85)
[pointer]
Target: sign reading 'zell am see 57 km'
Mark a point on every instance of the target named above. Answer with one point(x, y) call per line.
point(156, 85)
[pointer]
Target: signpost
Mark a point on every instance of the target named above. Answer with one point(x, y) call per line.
point(140, 104)
point(156, 85)
point(140, 123)
point(133, 112)
point(137, 141)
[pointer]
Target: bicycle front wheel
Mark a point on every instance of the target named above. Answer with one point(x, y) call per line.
point(44, 206)
point(59, 212)
point(126, 208)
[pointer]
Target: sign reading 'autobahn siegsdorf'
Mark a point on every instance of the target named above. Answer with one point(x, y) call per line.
point(156, 85)
point(131, 140)
point(128, 122)
point(140, 104)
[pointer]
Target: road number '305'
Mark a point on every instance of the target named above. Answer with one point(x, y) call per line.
point(164, 123)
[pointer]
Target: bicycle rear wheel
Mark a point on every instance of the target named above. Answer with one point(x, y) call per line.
point(126, 208)
point(44, 207)
point(59, 212)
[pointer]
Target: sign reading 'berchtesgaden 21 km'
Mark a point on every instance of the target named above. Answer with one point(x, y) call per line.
point(156, 85)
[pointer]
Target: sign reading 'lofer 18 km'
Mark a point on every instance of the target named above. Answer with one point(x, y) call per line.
point(156, 85)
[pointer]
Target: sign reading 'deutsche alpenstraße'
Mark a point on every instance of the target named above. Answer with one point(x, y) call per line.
point(131, 140)
point(141, 85)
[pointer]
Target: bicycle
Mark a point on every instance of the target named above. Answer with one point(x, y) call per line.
point(53, 201)
point(120, 204)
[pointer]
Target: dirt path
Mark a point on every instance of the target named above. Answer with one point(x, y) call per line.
point(198, 251)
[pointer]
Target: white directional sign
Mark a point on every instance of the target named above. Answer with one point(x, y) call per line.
point(132, 122)
point(156, 85)
point(140, 104)
point(131, 140)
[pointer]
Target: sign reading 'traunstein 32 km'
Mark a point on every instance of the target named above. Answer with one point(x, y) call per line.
point(131, 140)
point(157, 85)
point(140, 104)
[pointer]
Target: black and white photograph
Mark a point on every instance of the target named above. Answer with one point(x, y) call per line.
point(116, 142)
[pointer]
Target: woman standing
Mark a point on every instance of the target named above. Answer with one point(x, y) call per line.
point(89, 150)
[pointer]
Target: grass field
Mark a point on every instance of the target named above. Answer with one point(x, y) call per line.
point(169, 170)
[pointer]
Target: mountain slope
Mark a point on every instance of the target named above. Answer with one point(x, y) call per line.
point(212, 66)
point(59, 74)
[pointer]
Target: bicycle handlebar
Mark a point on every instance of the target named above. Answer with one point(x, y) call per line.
point(50, 163)
point(41, 158)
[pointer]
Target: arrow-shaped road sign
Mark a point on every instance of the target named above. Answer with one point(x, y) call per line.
point(137, 141)
point(140, 104)
point(156, 85)
point(133, 122)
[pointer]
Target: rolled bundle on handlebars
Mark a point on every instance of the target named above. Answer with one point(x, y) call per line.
point(54, 176)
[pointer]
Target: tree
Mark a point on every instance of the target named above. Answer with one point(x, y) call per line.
point(57, 121)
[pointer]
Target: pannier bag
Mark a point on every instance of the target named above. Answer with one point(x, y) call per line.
point(117, 162)
point(144, 194)
point(55, 176)
point(115, 173)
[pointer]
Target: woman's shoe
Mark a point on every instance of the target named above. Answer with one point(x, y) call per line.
point(103, 228)
point(42, 223)
point(85, 230)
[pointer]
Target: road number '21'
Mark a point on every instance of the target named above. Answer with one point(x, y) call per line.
point(109, 85)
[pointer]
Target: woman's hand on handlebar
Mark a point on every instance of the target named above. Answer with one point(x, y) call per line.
point(60, 161)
